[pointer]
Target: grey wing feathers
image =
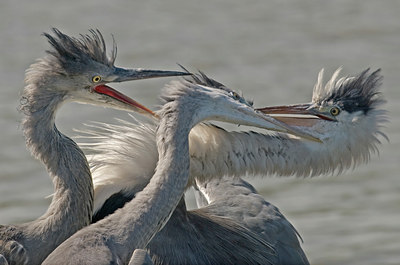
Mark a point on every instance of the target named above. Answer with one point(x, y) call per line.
point(238, 200)
point(207, 240)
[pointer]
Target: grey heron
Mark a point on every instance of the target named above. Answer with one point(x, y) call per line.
point(113, 239)
point(73, 70)
point(348, 139)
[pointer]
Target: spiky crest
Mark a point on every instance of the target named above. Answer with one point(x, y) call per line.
point(357, 93)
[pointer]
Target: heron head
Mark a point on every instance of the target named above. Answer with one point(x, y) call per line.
point(345, 112)
point(79, 69)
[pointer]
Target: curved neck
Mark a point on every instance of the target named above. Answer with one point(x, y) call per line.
point(215, 152)
point(72, 203)
point(138, 221)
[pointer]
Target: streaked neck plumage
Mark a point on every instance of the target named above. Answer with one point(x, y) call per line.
point(72, 203)
point(216, 152)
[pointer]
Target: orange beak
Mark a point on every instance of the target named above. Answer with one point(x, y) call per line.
point(106, 90)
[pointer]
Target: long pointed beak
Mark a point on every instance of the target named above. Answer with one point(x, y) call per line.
point(289, 121)
point(288, 109)
point(250, 117)
point(106, 90)
point(121, 74)
point(282, 126)
point(298, 109)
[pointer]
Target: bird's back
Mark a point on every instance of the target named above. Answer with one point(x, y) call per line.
point(195, 237)
point(237, 200)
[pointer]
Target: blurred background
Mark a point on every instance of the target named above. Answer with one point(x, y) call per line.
point(270, 50)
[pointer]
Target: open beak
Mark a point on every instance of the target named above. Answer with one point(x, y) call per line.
point(293, 114)
point(251, 117)
point(122, 101)
point(302, 115)
point(108, 91)
point(121, 74)
point(282, 126)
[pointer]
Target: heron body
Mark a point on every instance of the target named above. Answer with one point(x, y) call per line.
point(348, 139)
point(73, 70)
point(113, 239)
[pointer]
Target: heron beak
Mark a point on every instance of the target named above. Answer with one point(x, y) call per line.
point(282, 126)
point(299, 109)
point(121, 74)
point(250, 117)
point(278, 112)
point(106, 90)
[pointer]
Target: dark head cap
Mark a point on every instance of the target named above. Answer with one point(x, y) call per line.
point(358, 93)
point(70, 52)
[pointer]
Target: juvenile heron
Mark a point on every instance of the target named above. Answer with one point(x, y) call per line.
point(73, 70)
point(113, 239)
point(350, 121)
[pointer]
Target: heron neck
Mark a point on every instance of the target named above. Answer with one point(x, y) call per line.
point(72, 202)
point(216, 152)
point(149, 211)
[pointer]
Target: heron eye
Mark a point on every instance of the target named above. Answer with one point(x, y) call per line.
point(235, 95)
point(335, 111)
point(96, 79)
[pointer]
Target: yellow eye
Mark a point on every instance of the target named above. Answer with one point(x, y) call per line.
point(235, 95)
point(96, 79)
point(335, 111)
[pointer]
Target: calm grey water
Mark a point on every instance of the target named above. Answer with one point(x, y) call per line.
point(272, 51)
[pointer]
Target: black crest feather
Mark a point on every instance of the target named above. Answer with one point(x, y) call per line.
point(88, 47)
point(358, 93)
point(201, 78)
